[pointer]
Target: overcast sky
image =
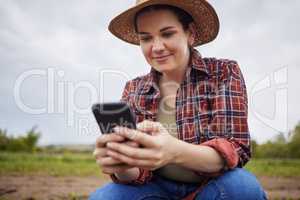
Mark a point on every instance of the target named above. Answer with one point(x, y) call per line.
point(57, 58)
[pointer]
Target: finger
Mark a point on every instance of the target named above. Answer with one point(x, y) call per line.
point(149, 126)
point(103, 139)
point(99, 152)
point(129, 151)
point(136, 136)
point(102, 152)
point(108, 161)
point(142, 163)
point(132, 144)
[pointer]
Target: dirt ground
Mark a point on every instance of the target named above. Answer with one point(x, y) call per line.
point(73, 188)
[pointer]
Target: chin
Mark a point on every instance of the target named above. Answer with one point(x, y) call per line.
point(163, 68)
point(167, 70)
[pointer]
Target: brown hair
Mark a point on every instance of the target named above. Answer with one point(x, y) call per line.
point(183, 17)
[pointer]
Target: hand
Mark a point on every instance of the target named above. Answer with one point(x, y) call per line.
point(159, 147)
point(108, 164)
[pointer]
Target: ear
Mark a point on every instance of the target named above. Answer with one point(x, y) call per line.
point(192, 34)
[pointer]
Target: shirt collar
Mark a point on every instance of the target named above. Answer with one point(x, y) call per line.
point(151, 80)
point(196, 62)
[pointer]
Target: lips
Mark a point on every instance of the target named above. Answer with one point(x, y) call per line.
point(161, 58)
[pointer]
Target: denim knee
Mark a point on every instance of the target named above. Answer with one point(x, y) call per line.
point(113, 191)
point(234, 185)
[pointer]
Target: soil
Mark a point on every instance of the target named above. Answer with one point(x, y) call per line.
point(74, 188)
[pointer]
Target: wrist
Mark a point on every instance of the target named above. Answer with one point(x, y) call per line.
point(179, 147)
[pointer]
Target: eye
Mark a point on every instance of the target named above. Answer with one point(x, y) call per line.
point(145, 38)
point(168, 34)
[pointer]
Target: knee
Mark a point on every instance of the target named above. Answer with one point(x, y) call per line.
point(238, 177)
point(108, 192)
point(241, 183)
point(98, 194)
point(235, 184)
point(113, 191)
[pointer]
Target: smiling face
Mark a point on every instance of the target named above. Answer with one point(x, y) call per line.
point(164, 42)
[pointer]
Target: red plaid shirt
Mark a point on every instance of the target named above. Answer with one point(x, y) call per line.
point(211, 108)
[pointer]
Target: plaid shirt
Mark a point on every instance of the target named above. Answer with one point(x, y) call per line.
point(211, 108)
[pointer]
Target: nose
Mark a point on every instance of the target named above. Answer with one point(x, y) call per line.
point(158, 46)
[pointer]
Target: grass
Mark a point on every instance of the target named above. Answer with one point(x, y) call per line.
point(68, 164)
point(83, 164)
point(275, 167)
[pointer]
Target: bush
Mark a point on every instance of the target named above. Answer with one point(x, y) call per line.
point(4, 140)
point(272, 150)
point(279, 147)
point(27, 143)
point(294, 144)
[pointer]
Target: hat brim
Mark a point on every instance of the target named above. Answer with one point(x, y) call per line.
point(204, 15)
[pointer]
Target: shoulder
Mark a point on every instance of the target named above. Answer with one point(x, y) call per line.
point(137, 82)
point(221, 68)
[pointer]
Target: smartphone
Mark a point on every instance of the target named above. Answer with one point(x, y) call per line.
point(109, 115)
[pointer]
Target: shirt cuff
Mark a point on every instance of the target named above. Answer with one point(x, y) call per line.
point(226, 149)
point(144, 176)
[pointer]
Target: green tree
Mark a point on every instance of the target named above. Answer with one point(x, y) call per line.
point(26, 143)
point(31, 139)
point(3, 140)
point(254, 148)
point(294, 144)
point(277, 148)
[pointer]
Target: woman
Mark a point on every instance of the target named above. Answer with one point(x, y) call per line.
point(192, 136)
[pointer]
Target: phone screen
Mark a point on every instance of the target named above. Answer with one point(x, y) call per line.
point(109, 115)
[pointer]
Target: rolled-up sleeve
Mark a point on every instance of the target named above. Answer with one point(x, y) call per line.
point(228, 127)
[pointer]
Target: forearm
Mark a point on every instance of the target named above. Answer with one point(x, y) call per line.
point(128, 175)
point(198, 157)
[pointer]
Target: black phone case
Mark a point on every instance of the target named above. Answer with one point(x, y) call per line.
point(109, 115)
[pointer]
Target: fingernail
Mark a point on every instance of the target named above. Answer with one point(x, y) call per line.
point(116, 129)
point(109, 144)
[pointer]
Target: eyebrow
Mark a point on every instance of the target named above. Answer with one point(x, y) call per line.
point(161, 30)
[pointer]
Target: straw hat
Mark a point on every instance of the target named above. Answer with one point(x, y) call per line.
point(204, 15)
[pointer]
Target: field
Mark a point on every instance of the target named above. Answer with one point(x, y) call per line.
point(75, 175)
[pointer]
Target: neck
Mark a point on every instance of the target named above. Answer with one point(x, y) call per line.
point(174, 75)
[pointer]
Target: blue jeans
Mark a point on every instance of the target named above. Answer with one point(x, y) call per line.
point(237, 184)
